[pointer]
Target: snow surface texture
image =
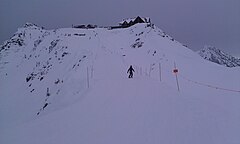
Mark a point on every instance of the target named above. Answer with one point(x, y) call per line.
point(217, 56)
point(70, 86)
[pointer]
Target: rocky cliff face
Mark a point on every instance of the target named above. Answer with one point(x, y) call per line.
point(217, 56)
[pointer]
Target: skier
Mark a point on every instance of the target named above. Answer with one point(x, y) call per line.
point(130, 71)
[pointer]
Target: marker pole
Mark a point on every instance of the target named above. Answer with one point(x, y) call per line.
point(160, 73)
point(176, 71)
point(87, 78)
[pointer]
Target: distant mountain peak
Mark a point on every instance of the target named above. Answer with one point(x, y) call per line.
point(215, 55)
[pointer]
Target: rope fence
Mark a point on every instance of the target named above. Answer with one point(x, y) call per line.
point(208, 85)
point(147, 72)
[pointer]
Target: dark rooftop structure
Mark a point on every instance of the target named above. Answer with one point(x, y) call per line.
point(132, 21)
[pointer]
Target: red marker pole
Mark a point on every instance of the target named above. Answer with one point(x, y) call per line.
point(175, 71)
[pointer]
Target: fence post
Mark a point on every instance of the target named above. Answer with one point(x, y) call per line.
point(92, 71)
point(160, 73)
point(87, 78)
point(141, 71)
point(136, 68)
point(146, 72)
point(150, 70)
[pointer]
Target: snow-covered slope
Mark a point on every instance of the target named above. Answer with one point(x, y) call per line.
point(217, 56)
point(70, 86)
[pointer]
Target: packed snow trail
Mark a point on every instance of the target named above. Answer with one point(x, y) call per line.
point(126, 111)
point(123, 111)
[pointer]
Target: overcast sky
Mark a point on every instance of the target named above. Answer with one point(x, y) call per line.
point(192, 22)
